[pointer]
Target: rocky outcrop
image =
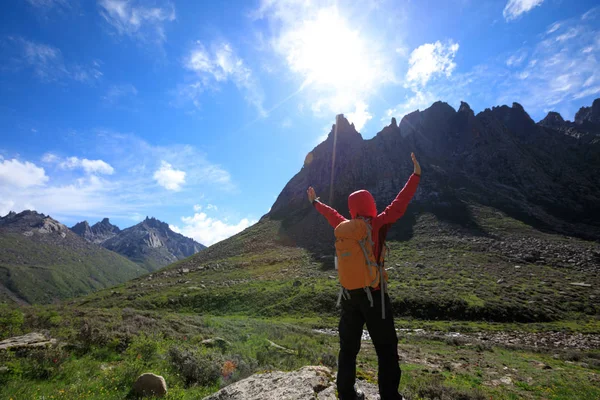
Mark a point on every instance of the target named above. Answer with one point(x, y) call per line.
point(308, 383)
point(30, 340)
point(589, 114)
point(97, 233)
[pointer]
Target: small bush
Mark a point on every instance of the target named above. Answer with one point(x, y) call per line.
point(42, 363)
point(195, 368)
point(435, 390)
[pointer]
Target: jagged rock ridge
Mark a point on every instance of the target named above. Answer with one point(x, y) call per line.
point(544, 174)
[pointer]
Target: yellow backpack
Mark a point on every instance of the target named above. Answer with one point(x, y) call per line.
point(356, 264)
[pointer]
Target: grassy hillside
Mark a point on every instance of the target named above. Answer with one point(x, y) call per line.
point(503, 271)
point(40, 272)
point(493, 310)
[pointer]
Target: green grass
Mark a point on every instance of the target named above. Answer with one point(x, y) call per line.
point(103, 351)
point(40, 272)
point(252, 289)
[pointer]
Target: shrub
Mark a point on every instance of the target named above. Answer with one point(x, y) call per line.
point(195, 368)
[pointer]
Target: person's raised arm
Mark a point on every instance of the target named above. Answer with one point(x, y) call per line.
point(333, 217)
point(394, 211)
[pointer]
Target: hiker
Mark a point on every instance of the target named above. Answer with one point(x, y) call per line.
point(366, 299)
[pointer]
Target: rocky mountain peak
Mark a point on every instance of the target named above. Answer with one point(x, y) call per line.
point(553, 119)
point(465, 108)
point(394, 124)
point(589, 114)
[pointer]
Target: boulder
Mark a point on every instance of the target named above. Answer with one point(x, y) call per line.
point(149, 384)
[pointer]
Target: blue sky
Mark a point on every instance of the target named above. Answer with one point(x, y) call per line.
point(198, 113)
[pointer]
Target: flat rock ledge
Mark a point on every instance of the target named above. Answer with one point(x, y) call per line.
point(307, 383)
point(32, 339)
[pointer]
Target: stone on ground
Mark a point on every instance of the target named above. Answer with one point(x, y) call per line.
point(150, 385)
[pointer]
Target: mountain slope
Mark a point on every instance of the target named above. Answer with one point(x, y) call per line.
point(152, 244)
point(489, 234)
point(41, 261)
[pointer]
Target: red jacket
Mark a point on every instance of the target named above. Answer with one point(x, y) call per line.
point(361, 203)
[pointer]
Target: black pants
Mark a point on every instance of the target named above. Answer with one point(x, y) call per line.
point(357, 311)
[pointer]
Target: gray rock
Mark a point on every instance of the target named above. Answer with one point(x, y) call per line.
point(149, 384)
point(216, 342)
point(32, 339)
point(308, 383)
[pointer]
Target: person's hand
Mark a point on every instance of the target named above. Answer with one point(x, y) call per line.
point(311, 194)
point(416, 163)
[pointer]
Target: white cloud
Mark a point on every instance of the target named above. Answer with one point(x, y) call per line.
point(135, 20)
point(47, 62)
point(570, 34)
point(360, 115)
point(336, 63)
point(516, 59)
point(17, 174)
point(553, 28)
point(591, 14)
point(71, 197)
point(219, 65)
point(212, 207)
point(89, 166)
point(515, 8)
point(50, 158)
point(6, 206)
point(168, 177)
point(431, 59)
point(197, 207)
point(208, 231)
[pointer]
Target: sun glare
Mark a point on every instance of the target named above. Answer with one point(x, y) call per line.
point(329, 53)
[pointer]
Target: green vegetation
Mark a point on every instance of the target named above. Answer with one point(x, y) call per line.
point(104, 351)
point(41, 272)
point(252, 290)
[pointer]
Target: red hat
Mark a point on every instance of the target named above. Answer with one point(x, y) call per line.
point(362, 203)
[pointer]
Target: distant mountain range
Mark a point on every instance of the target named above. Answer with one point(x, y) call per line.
point(42, 261)
point(151, 243)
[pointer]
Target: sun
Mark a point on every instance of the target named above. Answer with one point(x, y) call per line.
point(329, 53)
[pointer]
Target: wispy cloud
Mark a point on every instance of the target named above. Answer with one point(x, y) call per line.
point(122, 96)
point(515, 8)
point(46, 5)
point(131, 18)
point(89, 166)
point(517, 59)
point(47, 62)
point(218, 65)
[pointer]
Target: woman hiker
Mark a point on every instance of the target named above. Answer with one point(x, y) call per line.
point(359, 248)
